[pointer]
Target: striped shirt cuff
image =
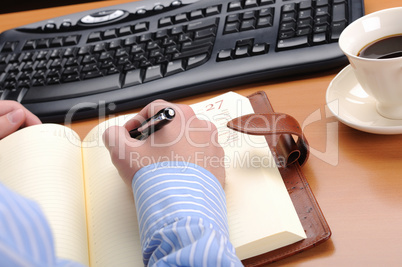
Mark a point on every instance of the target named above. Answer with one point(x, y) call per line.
point(167, 192)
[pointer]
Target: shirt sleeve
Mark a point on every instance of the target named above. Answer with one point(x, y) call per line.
point(181, 210)
point(25, 235)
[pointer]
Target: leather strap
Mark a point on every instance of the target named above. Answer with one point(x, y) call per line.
point(279, 129)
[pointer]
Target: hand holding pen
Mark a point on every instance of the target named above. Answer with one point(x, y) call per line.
point(156, 135)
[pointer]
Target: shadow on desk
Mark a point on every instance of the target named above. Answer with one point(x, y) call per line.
point(322, 251)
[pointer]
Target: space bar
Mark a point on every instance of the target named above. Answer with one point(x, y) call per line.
point(73, 89)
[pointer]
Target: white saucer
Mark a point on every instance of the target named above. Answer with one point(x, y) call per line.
point(352, 106)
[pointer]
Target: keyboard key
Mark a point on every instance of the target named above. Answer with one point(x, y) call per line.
point(247, 25)
point(140, 27)
point(266, 2)
point(250, 3)
point(94, 37)
point(191, 53)
point(197, 44)
point(259, 49)
point(306, 4)
point(211, 11)
point(287, 26)
point(291, 7)
point(16, 94)
point(177, 30)
point(110, 34)
point(322, 11)
point(30, 44)
point(167, 21)
point(321, 3)
point(196, 61)
point(72, 40)
point(267, 11)
point(225, 54)
point(232, 27)
point(56, 42)
point(202, 24)
point(249, 15)
point(233, 18)
point(339, 12)
point(319, 38)
point(306, 14)
point(286, 34)
point(123, 31)
point(293, 42)
point(9, 46)
point(303, 31)
point(205, 33)
point(302, 23)
point(264, 22)
point(235, 5)
point(242, 51)
point(42, 43)
point(336, 29)
point(196, 14)
point(320, 28)
point(132, 78)
point(70, 78)
point(174, 67)
point(92, 74)
point(68, 90)
point(153, 73)
point(181, 18)
point(289, 16)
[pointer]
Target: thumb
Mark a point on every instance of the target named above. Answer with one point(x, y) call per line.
point(11, 122)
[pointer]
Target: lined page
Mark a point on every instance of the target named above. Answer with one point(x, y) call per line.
point(44, 163)
point(261, 215)
point(112, 221)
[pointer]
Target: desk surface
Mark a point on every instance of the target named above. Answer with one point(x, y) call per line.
point(355, 176)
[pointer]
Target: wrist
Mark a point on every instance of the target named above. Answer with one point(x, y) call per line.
point(168, 191)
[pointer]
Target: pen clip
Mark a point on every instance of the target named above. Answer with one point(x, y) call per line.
point(153, 124)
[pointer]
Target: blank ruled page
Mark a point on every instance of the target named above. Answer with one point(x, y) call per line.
point(112, 220)
point(44, 163)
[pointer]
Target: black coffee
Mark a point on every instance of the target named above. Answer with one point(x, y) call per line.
point(387, 47)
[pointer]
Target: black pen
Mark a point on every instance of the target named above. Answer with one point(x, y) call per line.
point(153, 124)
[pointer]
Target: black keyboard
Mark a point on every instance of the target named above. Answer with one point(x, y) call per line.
point(122, 57)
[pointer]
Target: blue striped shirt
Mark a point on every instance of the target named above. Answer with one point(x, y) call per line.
point(181, 214)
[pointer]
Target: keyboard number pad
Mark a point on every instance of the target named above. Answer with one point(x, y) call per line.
point(248, 19)
point(311, 22)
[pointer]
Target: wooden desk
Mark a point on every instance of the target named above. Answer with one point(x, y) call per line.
point(355, 176)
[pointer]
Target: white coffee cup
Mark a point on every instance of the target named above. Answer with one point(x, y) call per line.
point(379, 78)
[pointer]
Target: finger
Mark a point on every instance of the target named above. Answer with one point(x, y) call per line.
point(115, 141)
point(30, 119)
point(11, 122)
point(114, 136)
point(145, 113)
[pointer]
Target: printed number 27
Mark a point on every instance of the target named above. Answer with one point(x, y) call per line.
point(216, 105)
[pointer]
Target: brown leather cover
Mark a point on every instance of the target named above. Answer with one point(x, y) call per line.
point(279, 130)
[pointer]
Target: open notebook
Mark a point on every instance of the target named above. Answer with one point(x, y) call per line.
point(92, 213)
